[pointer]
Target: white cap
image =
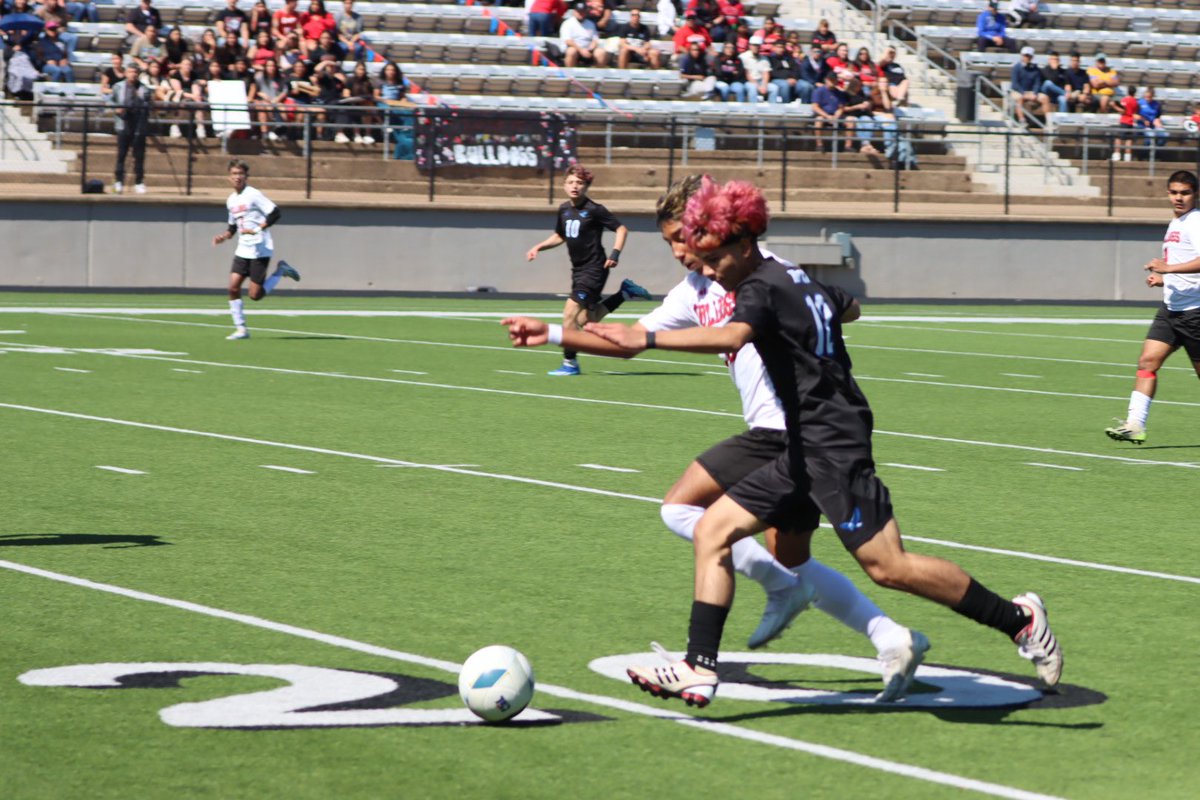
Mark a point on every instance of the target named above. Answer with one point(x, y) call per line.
point(1027, 50)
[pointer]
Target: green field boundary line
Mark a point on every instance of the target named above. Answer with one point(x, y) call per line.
point(550, 484)
point(721, 728)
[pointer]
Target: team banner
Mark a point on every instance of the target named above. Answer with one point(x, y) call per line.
point(539, 140)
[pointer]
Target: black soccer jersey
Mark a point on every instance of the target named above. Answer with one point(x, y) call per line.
point(583, 228)
point(798, 333)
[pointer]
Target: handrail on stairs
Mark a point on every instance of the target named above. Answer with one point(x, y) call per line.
point(11, 134)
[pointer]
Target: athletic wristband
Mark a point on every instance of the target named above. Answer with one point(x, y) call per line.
point(650, 340)
point(615, 255)
point(555, 334)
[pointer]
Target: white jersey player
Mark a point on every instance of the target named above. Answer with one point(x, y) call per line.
point(251, 213)
point(697, 301)
point(1177, 323)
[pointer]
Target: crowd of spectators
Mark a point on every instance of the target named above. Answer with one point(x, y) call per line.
point(289, 61)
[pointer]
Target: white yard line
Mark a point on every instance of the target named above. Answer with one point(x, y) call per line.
point(11, 332)
point(1019, 375)
point(191, 371)
point(1109, 375)
point(1054, 466)
point(1056, 337)
point(72, 369)
point(913, 466)
point(288, 469)
point(725, 729)
point(1015, 390)
point(1010, 356)
point(121, 470)
point(536, 482)
point(924, 375)
point(609, 469)
point(512, 372)
point(408, 372)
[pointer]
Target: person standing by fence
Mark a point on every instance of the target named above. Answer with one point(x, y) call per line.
point(133, 101)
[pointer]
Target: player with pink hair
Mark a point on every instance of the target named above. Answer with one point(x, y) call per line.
point(795, 325)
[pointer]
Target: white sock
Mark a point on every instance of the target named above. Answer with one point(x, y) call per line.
point(1139, 408)
point(239, 316)
point(838, 597)
point(749, 557)
point(271, 280)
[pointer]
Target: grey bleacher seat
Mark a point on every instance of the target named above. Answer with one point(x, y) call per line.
point(1060, 15)
point(48, 92)
point(1129, 44)
point(1132, 71)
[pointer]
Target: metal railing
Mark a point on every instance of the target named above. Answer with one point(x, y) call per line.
point(13, 141)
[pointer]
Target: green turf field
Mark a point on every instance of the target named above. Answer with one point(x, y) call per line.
point(438, 501)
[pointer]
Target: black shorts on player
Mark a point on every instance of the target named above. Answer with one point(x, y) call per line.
point(731, 460)
point(253, 268)
point(1178, 329)
point(587, 286)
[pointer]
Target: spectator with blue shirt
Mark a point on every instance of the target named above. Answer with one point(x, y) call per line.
point(829, 105)
point(50, 56)
point(812, 73)
point(1150, 111)
point(1026, 84)
point(991, 30)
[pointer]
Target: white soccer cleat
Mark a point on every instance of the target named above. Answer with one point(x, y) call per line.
point(900, 664)
point(1036, 641)
point(783, 606)
point(240, 333)
point(694, 687)
point(139, 188)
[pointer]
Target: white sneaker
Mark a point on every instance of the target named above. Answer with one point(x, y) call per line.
point(783, 606)
point(175, 133)
point(118, 188)
point(358, 138)
point(694, 687)
point(273, 136)
point(140, 188)
point(341, 138)
point(1116, 157)
point(201, 132)
point(1129, 156)
point(899, 665)
point(1036, 642)
point(240, 333)
point(368, 139)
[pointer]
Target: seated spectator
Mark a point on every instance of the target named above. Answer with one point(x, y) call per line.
point(758, 69)
point(391, 95)
point(1027, 13)
point(865, 69)
point(359, 94)
point(743, 35)
point(1026, 84)
point(393, 85)
point(1130, 115)
point(1080, 94)
point(349, 30)
point(839, 63)
point(263, 50)
point(284, 21)
point(706, 11)
point(214, 74)
point(1054, 90)
point(829, 106)
point(824, 38)
point(240, 70)
point(636, 44)
point(792, 43)
point(1150, 110)
point(113, 74)
point(291, 52)
point(725, 26)
point(83, 11)
point(694, 68)
point(1104, 81)
point(897, 149)
point(772, 34)
point(206, 48)
point(176, 49)
point(897, 78)
point(303, 93)
point(813, 70)
point(785, 75)
point(148, 47)
point(53, 10)
point(260, 20)
point(859, 107)
point(20, 73)
point(601, 13)
point(581, 40)
point(231, 21)
point(731, 76)
point(327, 45)
point(19, 37)
point(50, 56)
point(267, 96)
point(544, 17)
point(991, 30)
point(139, 18)
point(691, 33)
point(314, 22)
point(327, 75)
point(155, 80)
point(229, 51)
point(184, 97)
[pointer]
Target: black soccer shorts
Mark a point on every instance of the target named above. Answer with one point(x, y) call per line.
point(731, 460)
point(254, 268)
point(1178, 329)
point(587, 285)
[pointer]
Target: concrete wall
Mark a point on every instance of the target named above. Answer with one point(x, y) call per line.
point(168, 245)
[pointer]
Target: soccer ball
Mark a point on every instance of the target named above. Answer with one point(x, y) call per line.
point(496, 683)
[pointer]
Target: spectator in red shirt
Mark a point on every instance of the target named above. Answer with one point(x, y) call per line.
point(692, 32)
point(284, 21)
point(839, 63)
point(316, 21)
point(771, 34)
point(545, 16)
point(824, 38)
point(1129, 120)
point(865, 69)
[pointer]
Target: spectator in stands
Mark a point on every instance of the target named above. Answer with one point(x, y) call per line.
point(824, 38)
point(1027, 13)
point(391, 95)
point(260, 20)
point(83, 11)
point(240, 70)
point(1079, 95)
point(54, 10)
point(20, 73)
point(1104, 80)
point(291, 53)
point(1055, 90)
point(284, 21)
point(545, 16)
point(991, 29)
point(327, 45)
point(785, 75)
point(154, 79)
point(267, 96)
point(176, 49)
point(18, 38)
point(666, 11)
point(581, 40)
point(694, 68)
point(327, 74)
point(263, 50)
point(706, 11)
point(133, 102)
point(791, 43)
point(743, 36)
point(148, 47)
point(350, 29)
point(50, 56)
point(314, 22)
point(771, 34)
point(865, 69)
point(231, 21)
point(758, 69)
point(303, 92)
point(897, 78)
point(601, 13)
point(724, 28)
point(392, 84)
point(839, 63)
point(1130, 117)
point(859, 109)
point(113, 74)
point(140, 18)
point(184, 96)
point(1150, 110)
point(636, 44)
point(829, 106)
point(896, 148)
point(1026, 84)
point(813, 70)
point(229, 51)
point(692, 32)
point(360, 93)
point(206, 48)
point(731, 76)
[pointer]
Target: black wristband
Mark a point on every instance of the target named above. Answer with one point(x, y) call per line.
point(615, 255)
point(650, 343)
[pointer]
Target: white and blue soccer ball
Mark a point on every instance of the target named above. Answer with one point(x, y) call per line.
point(496, 683)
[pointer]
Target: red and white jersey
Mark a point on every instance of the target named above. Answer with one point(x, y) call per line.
point(1181, 292)
point(249, 209)
point(699, 302)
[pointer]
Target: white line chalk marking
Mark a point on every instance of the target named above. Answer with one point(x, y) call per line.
point(191, 371)
point(914, 466)
point(72, 369)
point(1019, 375)
point(1054, 466)
point(924, 375)
point(512, 372)
point(288, 469)
point(121, 470)
point(609, 469)
point(408, 372)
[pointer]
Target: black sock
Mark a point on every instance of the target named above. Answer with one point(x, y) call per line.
point(569, 355)
point(704, 634)
point(988, 608)
point(613, 302)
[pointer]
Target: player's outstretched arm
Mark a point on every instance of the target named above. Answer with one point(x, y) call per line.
point(728, 339)
point(553, 240)
point(529, 332)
